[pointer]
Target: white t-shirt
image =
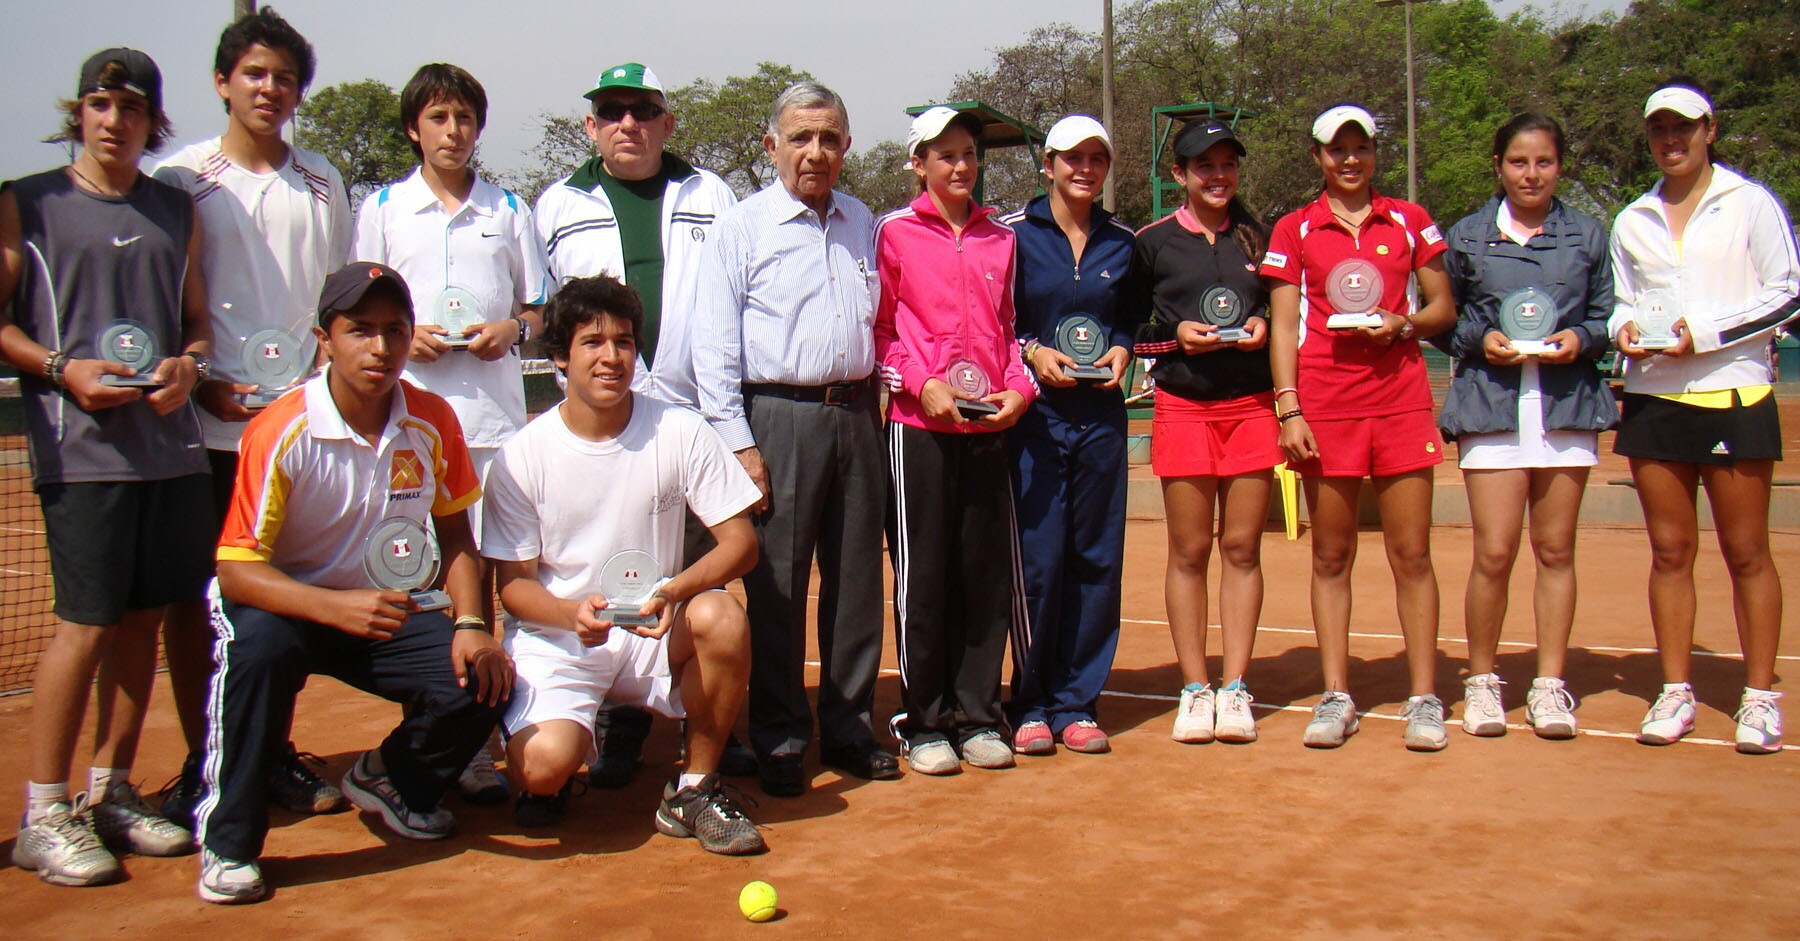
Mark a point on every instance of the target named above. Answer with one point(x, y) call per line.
point(572, 504)
point(490, 248)
point(271, 238)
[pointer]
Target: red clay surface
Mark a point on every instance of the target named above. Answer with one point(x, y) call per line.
point(1514, 837)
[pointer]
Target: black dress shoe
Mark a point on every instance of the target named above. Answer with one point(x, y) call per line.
point(870, 762)
point(783, 776)
point(737, 760)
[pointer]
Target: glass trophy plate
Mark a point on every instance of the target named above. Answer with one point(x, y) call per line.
point(971, 384)
point(1657, 312)
point(1223, 308)
point(1527, 317)
point(129, 343)
point(275, 361)
point(628, 580)
point(402, 556)
point(1354, 289)
point(457, 310)
point(1082, 338)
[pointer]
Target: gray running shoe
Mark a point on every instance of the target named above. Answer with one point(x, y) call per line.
point(1333, 721)
point(988, 750)
point(126, 824)
point(706, 813)
point(228, 882)
point(480, 782)
point(63, 849)
point(376, 794)
point(1425, 723)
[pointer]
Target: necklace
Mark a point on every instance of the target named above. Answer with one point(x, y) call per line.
point(103, 191)
point(1352, 223)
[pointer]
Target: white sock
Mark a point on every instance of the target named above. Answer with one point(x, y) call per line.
point(101, 782)
point(688, 780)
point(39, 798)
point(1678, 687)
point(1751, 691)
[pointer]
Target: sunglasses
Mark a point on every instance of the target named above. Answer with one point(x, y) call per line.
point(640, 111)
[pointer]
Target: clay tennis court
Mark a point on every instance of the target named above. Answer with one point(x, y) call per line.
point(1514, 837)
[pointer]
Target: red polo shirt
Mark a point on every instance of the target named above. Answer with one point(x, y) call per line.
point(1343, 375)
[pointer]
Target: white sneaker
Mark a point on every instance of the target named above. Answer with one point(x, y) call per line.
point(1669, 718)
point(1234, 722)
point(933, 757)
point(1333, 720)
point(1425, 723)
point(1759, 723)
point(63, 849)
point(1194, 716)
point(127, 825)
point(1484, 713)
point(988, 750)
point(480, 783)
point(228, 882)
point(1550, 708)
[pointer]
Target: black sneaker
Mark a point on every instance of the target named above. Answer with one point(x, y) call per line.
point(621, 731)
point(706, 813)
point(533, 811)
point(298, 788)
point(181, 797)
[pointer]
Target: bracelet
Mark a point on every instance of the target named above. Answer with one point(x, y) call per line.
point(1285, 390)
point(471, 622)
point(1281, 418)
point(53, 368)
point(1030, 351)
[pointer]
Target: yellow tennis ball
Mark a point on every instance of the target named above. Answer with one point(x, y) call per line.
point(757, 901)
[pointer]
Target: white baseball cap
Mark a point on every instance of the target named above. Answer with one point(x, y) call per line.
point(1326, 127)
point(1068, 134)
point(1680, 99)
point(932, 122)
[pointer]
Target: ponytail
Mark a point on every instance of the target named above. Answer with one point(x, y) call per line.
point(1246, 230)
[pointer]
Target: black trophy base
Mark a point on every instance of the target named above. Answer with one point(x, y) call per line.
point(971, 409)
point(1088, 373)
point(139, 381)
point(430, 600)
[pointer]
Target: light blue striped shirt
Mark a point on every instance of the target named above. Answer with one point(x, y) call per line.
point(784, 297)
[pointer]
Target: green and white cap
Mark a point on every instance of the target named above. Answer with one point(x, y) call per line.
point(633, 75)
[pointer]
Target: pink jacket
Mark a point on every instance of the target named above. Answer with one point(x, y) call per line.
point(944, 299)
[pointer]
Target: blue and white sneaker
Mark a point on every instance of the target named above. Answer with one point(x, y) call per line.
point(375, 793)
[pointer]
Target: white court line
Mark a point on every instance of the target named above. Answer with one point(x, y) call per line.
point(1513, 726)
point(1727, 655)
point(13, 571)
point(15, 529)
point(1367, 635)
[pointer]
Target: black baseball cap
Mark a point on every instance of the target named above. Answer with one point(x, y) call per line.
point(346, 287)
point(1200, 136)
point(141, 75)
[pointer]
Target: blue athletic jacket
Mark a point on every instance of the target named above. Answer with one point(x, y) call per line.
point(1048, 285)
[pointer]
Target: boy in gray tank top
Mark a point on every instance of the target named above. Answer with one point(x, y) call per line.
point(100, 265)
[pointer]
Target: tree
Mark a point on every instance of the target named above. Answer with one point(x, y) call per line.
point(720, 125)
point(562, 146)
point(878, 176)
point(356, 126)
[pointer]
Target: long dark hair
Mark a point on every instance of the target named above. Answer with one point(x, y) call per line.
point(1247, 230)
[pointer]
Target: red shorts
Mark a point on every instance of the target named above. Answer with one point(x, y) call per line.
point(1374, 447)
point(1224, 438)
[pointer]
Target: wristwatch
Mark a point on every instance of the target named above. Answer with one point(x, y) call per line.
point(524, 330)
point(202, 365)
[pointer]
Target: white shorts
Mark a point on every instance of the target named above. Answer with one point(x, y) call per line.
point(1531, 445)
point(558, 678)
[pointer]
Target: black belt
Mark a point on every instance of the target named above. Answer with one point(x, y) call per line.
point(837, 393)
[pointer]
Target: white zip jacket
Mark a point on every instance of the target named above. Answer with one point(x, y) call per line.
point(1737, 276)
point(581, 235)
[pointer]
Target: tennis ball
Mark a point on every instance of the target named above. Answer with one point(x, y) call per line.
point(757, 901)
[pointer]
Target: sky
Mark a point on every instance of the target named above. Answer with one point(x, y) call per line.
point(539, 57)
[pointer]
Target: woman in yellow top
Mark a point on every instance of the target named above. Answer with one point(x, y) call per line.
point(1705, 270)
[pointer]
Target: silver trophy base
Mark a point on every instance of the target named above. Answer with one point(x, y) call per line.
point(139, 381)
point(1231, 334)
point(1532, 347)
point(260, 399)
point(432, 600)
point(457, 343)
point(1101, 373)
point(1658, 343)
point(1352, 321)
point(630, 618)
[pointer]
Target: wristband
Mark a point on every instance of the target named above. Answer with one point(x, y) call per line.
point(53, 368)
point(470, 622)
